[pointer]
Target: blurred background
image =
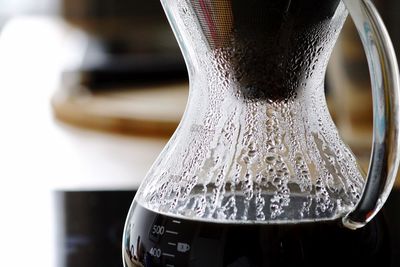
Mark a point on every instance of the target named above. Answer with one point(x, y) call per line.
point(91, 90)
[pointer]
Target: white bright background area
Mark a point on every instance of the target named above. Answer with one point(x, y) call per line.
point(39, 154)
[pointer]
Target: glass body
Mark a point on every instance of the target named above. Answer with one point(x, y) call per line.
point(256, 153)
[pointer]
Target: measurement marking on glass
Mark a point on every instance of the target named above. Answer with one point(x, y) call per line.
point(171, 232)
point(168, 255)
point(175, 221)
point(171, 244)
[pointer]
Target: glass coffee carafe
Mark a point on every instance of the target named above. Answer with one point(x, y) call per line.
point(256, 173)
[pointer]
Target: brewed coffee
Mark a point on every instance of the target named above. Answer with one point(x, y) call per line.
point(153, 239)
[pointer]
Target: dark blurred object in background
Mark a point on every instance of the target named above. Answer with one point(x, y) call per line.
point(90, 226)
point(390, 10)
point(125, 26)
point(132, 42)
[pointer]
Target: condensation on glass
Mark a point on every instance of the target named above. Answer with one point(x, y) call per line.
point(257, 143)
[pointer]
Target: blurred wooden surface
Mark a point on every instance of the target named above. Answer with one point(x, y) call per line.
point(151, 110)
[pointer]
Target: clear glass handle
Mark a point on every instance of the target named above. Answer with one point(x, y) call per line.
point(385, 91)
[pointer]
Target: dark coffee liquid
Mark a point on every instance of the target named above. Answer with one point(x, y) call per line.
point(152, 239)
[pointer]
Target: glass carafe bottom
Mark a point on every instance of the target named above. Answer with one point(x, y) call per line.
point(154, 239)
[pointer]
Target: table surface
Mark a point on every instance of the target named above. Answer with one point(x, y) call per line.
point(39, 154)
